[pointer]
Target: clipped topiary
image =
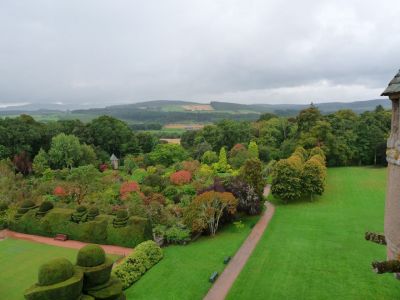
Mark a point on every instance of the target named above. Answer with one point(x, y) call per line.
point(91, 256)
point(121, 219)
point(93, 212)
point(96, 268)
point(44, 208)
point(79, 215)
point(55, 271)
point(58, 279)
point(24, 208)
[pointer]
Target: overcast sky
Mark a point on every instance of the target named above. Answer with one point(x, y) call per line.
point(247, 51)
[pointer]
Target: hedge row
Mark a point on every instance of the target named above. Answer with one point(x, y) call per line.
point(143, 258)
point(99, 231)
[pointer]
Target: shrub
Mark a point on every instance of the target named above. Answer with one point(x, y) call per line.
point(93, 212)
point(146, 255)
point(55, 271)
point(46, 206)
point(59, 192)
point(152, 250)
point(121, 219)
point(127, 188)
point(138, 175)
point(181, 177)
point(91, 256)
point(122, 214)
point(177, 235)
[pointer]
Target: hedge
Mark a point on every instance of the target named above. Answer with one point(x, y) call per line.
point(132, 268)
point(99, 231)
point(69, 289)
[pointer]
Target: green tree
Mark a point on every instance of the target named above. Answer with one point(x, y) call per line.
point(314, 176)
point(65, 151)
point(287, 179)
point(129, 164)
point(252, 174)
point(253, 150)
point(40, 162)
point(112, 135)
point(222, 165)
point(167, 154)
point(209, 157)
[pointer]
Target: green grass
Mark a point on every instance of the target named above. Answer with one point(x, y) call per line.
point(317, 250)
point(19, 264)
point(184, 271)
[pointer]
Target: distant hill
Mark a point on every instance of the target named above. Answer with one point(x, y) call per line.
point(172, 111)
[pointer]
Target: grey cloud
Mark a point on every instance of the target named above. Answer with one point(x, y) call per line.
point(98, 52)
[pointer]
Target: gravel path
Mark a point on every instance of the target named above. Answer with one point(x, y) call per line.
point(225, 281)
point(109, 249)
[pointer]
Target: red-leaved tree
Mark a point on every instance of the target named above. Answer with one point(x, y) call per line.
point(127, 188)
point(59, 191)
point(180, 177)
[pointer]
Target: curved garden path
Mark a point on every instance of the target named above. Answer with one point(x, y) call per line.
point(109, 249)
point(225, 281)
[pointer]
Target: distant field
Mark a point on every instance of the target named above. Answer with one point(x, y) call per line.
point(19, 265)
point(317, 250)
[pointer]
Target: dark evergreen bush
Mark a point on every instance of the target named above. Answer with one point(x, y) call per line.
point(46, 206)
point(91, 256)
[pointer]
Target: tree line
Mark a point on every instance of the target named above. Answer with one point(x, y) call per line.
point(345, 137)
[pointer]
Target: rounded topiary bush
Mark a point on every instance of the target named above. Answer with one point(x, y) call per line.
point(55, 271)
point(46, 206)
point(91, 256)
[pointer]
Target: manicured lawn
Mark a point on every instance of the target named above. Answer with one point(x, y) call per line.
point(184, 271)
point(19, 264)
point(317, 250)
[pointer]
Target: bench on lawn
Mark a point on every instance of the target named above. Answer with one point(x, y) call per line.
point(61, 237)
point(213, 277)
point(227, 259)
